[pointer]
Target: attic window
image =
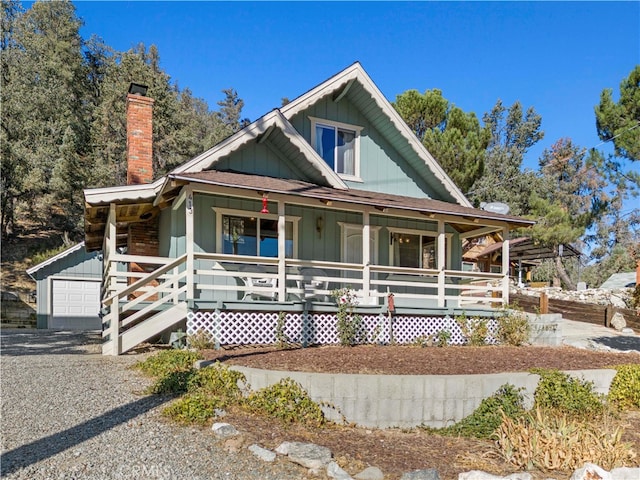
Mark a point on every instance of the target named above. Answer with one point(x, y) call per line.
point(338, 144)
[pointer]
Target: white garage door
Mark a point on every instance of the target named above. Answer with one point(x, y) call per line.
point(76, 304)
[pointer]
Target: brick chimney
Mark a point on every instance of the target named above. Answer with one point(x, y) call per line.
point(139, 136)
point(143, 236)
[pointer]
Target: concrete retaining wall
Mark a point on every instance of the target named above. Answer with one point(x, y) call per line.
point(384, 401)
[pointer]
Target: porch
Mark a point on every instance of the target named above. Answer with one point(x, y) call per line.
point(238, 299)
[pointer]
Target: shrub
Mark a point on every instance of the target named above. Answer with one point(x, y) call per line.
point(555, 441)
point(513, 327)
point(167, 361)
point(443, 337)
point(218, 380)
point(484, 421)
point(349, 323)
point(171, 383)
point(474, 330)
point(568, 395)
point(171, 368)
point(195, 407)
point(624, 391)
point(201, 340)
point(208, 388)
point(287, 401)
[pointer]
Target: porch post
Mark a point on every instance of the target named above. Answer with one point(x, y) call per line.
point(505, 265)
point(366, 257)
point(282, 246)
point(442, 264)
point(189, 233)
point(115, 304)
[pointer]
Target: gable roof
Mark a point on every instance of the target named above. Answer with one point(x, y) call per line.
point(315, 167)
point(50, 261)
point(356, 83)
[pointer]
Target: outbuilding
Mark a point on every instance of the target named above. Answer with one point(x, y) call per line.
point(68, 290)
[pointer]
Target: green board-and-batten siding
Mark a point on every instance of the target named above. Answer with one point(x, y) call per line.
point(382, 167)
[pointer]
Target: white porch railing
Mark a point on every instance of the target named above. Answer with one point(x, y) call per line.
point(140, 304)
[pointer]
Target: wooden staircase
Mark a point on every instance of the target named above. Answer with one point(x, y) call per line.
point(145, 308)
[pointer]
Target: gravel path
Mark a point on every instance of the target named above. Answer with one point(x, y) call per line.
point(70, 413)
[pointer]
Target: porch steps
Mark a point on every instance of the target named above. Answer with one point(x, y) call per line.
point(147, 329)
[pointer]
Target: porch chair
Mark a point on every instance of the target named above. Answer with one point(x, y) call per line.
point(310, 284)
point(252, 281)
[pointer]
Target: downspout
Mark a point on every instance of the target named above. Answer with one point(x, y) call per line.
point(282, 257)
point(505, 265)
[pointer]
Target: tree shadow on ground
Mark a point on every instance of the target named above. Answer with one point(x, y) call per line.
point(622, 343)
point(56, 443)
point(48, 342)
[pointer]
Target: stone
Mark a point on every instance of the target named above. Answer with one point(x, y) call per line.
point(308, 455)
point(480, 475)
point(618, 322)
point(334, 471)
point(628, 331)
point(234, 444)
point(625, 473)
point(591, 471)
point(262, 453)
point(370, 473)
point(617, 301)
point(428, 474)
point(224, 430)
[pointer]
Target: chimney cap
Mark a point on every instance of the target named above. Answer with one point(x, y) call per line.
point(138, 89)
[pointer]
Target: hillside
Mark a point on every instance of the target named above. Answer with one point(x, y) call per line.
point(22, 252)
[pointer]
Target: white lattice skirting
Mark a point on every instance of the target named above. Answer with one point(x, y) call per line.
point(259, 328)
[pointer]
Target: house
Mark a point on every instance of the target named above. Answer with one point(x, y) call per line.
point(68, 290)
point(331, 191)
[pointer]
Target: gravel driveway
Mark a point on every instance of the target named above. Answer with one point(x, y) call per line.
point(70, 413)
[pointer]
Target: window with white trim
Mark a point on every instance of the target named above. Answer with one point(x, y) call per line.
point(338, 144)
point(415, 249)
point(244, 234)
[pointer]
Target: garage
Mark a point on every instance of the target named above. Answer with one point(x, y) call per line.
point(75, 305)
point(68, 290)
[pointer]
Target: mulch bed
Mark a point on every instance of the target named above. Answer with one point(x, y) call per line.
point(405, 360)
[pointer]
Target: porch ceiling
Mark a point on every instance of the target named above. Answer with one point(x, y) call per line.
point(96, 217)
point(380, 201)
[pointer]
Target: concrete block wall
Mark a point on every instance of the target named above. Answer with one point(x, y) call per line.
point(384, 401)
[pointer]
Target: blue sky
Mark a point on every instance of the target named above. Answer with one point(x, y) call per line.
point(554, 56)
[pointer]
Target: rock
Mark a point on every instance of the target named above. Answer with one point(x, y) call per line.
point(618, 322)
point(308, 455)
point(625, 473)
point(617, 301)
point(262, 453)
point(591, 471)
point(234, 444)
point(628, 331)
point(480, 475)
point(429, 474)
point(334, 471)
point(219, 413)
point(370, 473)
point(224, 430)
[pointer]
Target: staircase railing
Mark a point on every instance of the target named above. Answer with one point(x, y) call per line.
point(137, 303)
